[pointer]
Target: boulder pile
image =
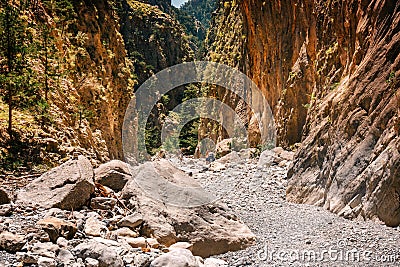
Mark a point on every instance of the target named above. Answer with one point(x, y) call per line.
point(75, 215)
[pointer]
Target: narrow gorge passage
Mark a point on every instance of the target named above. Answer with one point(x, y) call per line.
point(122, 122)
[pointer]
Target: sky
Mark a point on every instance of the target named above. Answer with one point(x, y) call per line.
point(178, 3)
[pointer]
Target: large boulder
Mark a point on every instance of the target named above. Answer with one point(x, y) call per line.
point(211, 228)
point(114, 174)
point(68, 186)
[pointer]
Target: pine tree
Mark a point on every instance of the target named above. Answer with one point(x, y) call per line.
point(18, 89)
point(48, 57)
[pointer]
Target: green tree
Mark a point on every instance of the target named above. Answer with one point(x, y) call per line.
point(188, 138)
point(18, 88)
point(63, 13)
point(48, 57)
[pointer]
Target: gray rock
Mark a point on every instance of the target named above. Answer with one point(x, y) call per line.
point(210, 228)
point(268, 158)
point(132, 221)
point(68, 186)
point(11, 242)
point(103, 203)
point(212, 262)
point(62, 242)
point(95, 227)
point(142, 260)
point(65, 256)
point(56, 228)
point(114, 174)
point(46, 249)
point(46, 262)
point(106, 255)
point(176, 258)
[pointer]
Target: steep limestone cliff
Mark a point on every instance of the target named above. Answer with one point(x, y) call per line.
point(154, 40)
point(104, 51)
point(349, 161)
point(224, 45)
point(96, 84)
point(329, 70)
point(264, 41)
point(101, 80)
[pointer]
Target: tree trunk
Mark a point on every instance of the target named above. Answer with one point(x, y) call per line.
point(10, 109)
point(9, 68)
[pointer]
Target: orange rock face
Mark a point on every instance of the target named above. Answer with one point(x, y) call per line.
point(329, 70)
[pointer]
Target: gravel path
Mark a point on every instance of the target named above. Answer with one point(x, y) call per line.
point(290, 234)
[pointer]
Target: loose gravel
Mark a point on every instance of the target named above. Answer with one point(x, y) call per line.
point(291, 234)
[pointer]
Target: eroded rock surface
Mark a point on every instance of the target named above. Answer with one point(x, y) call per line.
point(330, 72)
point(212, 229)
point(68, 186)
point(113, 174)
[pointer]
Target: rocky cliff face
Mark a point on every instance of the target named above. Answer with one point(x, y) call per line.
point(154, 40)
point(329, 71)
point(224, 45)
point(106, 50)
point(99, 84)
point(89, 84)
point(268, 43)
point(133, 42)
point(349, 161)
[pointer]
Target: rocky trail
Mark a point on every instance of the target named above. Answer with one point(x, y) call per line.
point(113, 224)
point(304, 235)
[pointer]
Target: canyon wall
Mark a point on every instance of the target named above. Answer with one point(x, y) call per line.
point(329, 70)
point(89, 106)
point(349, 160)
point(103, 52)
point(133, 40)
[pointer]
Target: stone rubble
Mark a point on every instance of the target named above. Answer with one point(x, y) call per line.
point(67, 218)
point(128, 228)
